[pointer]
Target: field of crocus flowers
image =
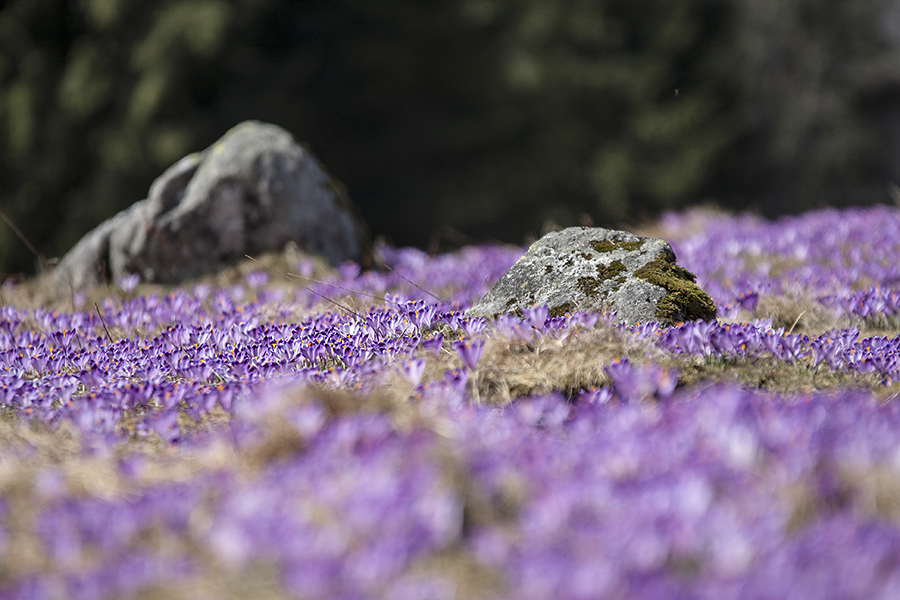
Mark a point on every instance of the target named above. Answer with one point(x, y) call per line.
point(285, 430)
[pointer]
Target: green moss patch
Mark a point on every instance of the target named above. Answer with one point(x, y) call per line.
point(609, 271)
point(562, 309)
point(588, 285)
point(685, 300)
point(610, 245)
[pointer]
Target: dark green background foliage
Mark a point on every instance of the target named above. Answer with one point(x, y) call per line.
point(490, 117)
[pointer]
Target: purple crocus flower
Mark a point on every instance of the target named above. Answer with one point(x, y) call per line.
point(637, 383)
point(472, 325)
point(595, 395)
point(748, 301)
point(469, 351)
point(771, 342)
point(793, 347)
point(166, 425)
point(536, 315)
point(722, 340)
point(434, 344)
point(129, 282)
point(412, 370)
point(257, 279)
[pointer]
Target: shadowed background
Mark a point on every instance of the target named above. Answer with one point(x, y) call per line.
point(453, 121)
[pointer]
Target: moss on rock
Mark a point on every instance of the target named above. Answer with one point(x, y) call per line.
point(588, 285)
point(562, 309)
point(610, 245)
point(609, 271)
point(685, 301)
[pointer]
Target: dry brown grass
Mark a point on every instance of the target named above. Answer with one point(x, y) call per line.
point(568, 363)
point(804, 314)
point(39, 292)
point(871, 492)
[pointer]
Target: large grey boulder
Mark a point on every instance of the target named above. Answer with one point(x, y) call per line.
point(251, 192)
point(595, 269)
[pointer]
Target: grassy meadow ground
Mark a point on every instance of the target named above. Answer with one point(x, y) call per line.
point(288, 430)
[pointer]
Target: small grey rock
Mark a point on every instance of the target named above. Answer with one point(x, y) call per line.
point(595, 269)
point(251, 192)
